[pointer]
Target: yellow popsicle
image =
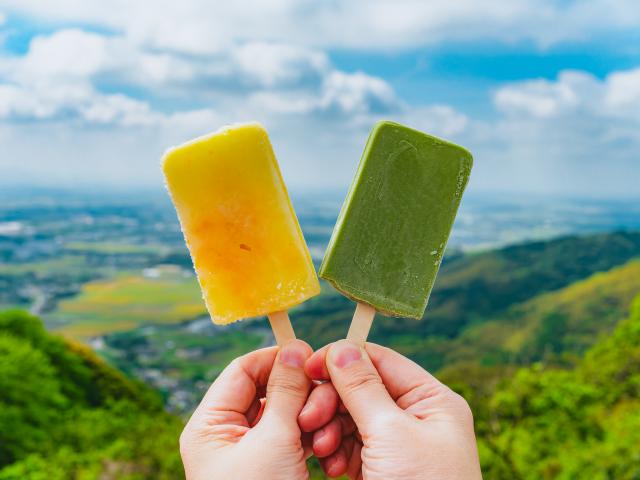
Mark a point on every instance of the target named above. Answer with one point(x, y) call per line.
point(239, 225)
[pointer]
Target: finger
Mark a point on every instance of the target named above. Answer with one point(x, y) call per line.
point(336, 464)
point(406, 381)
point(358, 383)
point(254, 422)
point(234, 391)
point(348, 426)
point(252, 412)
point(315, 367)
point(327, 439)
point(307, 444)
point(320, 408)
point(354, 469)
point(288, 386)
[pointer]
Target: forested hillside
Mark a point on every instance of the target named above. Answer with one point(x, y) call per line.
point(65, 414)
point(567, 424)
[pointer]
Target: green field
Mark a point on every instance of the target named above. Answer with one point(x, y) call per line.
point(164, 295)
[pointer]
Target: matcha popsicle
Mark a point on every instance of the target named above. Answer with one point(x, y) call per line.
point(393, 228)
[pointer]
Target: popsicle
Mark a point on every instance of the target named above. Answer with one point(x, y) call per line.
point(240, 227)
point(388, 242)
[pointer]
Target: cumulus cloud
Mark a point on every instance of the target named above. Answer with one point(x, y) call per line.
point(540, 98)
point(622, 92)
point(60, 81)
point(60, 76)
point(576, 134)
point(618, 95)
point(280, 65)
point(441, 120)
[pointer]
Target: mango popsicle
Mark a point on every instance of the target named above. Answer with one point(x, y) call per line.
point(388, 242)
point(240, 227)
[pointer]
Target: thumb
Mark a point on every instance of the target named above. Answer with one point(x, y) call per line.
point(358, 383)
point(288, 386)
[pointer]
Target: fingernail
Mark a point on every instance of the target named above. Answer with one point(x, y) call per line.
point(344, 353)
point(290, 355)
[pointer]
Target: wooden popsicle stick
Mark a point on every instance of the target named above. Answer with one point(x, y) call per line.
point(281, 326)
point(361, 323)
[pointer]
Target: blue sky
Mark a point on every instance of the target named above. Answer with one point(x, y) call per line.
point(546, 94)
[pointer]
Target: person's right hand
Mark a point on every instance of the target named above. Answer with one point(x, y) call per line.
point(409, 425)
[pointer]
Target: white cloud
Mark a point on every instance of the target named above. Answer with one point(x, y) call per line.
point(201, 26)
point(574, 92)
point(60, 74)
point(53, 81)
point(354, 97)
point(622, 92)
point(67, 53)
point(280, 65)
point(541, 98)
point(55, 88)
point(357, 93)
point(439, 120)
point(575, 135)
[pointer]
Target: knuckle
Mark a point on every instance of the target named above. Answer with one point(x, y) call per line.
point(423, 391)
point(184, 441)
point(362, 381)
point(284, 385)
point(236, 364)
point(387, 421)
point(461, 406)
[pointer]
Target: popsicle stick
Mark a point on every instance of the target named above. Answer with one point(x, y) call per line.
point(361, 323)
point(281, 326)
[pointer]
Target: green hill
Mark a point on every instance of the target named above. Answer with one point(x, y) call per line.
point(563, 424)
point(560, 323)
point(65, 414)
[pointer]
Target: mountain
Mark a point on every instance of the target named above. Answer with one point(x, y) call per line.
point(65, 414)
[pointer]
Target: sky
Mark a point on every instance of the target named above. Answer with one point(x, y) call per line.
point(545, 94)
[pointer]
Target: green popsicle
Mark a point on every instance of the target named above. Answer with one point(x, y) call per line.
point(391, 233)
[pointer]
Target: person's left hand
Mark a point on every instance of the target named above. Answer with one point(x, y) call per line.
point(236, 433)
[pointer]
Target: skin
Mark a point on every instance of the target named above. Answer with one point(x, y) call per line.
point(380, 416)
point(246, 425)
point(408, 425)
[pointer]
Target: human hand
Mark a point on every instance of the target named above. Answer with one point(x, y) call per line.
point(236, 433)
point(409, 425)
